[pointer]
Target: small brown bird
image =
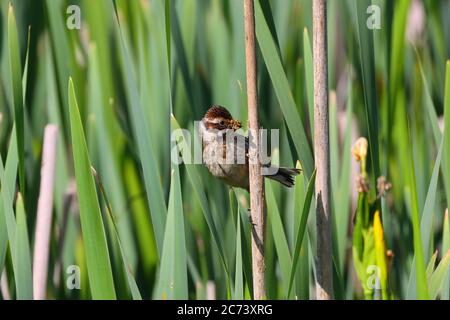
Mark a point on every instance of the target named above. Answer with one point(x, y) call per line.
point(225, 152)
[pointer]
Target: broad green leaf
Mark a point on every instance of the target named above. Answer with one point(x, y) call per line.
point(97, 255)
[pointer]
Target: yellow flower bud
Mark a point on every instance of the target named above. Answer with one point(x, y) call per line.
point(359, 149)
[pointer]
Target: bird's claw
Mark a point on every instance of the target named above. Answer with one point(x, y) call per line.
point(250, 218)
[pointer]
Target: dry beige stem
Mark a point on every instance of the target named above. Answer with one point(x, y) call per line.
point(44, 213)
point(255, 177)
point(324, 280)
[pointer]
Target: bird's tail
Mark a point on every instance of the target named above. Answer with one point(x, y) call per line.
point(285, 176)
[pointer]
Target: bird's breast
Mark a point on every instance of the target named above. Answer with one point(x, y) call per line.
point(225, 163)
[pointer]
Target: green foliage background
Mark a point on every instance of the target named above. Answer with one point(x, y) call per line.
point(144, 227)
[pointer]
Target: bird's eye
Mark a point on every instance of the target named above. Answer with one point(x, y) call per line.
point(222, 122)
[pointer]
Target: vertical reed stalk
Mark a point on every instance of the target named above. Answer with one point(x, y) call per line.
point(256, 179)
point(44, 213)
point(324, 281)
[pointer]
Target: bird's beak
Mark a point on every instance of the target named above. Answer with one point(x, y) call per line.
point(234, 124)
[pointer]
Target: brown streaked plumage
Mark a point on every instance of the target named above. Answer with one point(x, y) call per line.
point(217, 111)
point(219, 118)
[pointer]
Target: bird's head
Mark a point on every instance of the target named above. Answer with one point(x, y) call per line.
point(219, 118)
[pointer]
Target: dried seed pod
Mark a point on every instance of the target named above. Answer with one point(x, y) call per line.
point(362, 185)
point(383, 186)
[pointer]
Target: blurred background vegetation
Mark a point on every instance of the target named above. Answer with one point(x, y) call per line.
point(145, 227)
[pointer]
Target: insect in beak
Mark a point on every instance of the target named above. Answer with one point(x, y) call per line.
point(235, 125)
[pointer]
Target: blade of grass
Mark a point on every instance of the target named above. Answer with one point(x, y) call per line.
point(421, 280)
point(7, 181)
point(431, 264)
point(438, 276)
point(97, 255)
point(301, 229)
point(173, 269)
point(22, 255)
point(182, 58)
point(16, 84)
point(141, 217)
point(62, 53)
point(447, 131)
point(445, 248)
point(426, 222)
point(380, 253)
point(25, 68)
point(307, 52)
point(446, 236)
point(199, 192)
point(282, 90)
point(239, 280)
point(152, 179)
point(397, 45)
point(132, 286)
point(279, 236)
point(245, 234)
point(8, 175)
point(367, 60)
point(429, 105)
point(109, 167)
point(302, 271)
point(432, 117)
point(342, 195)
point(3, 229)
